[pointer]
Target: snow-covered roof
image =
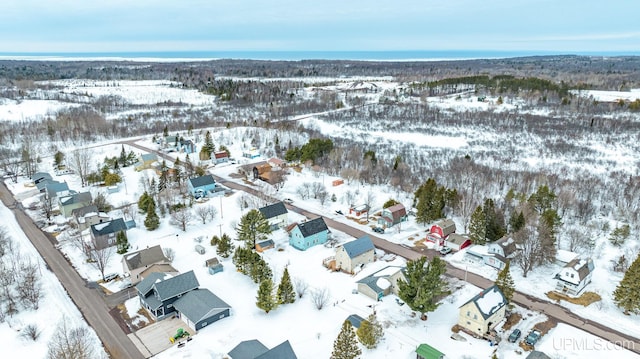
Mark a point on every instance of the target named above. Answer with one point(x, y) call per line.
point(489, 301)
point(383, 283)
point(565, 256)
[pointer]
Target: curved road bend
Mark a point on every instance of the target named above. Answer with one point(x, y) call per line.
point(552, 310)
point(88, 301)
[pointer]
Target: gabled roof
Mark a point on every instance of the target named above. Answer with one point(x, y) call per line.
point(537, 355)
point(84, 197)
point(312, 227)
point(53, 187)
point(281, 351)
point(147, 283)
point(488, 301)
point(457, 238)
point(397, 211)
point(221, 154)
point(159, 268)
point(248, 349)
point(358, 246)
point(508, 245)
point(149, 157)
point(202, 181)
point(380, 279)
point(83, 211)
point(582, 266)
point(112, 226)
point(428, 352)
point(273, 210)
point(174, 286)
point(211, 262)
point(144, 257)
point(40, 176)
point(199, 304)
point(448, 226)
point(355, 320)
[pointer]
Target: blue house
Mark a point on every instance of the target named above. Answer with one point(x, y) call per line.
point(308, 234)
point(202, 186)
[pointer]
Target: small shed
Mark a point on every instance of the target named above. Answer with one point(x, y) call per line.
point(425, 351)
point(359, 210)
point(213, 265)
point(264, 245)
point(457, 241)
point(337, 182)
point(200, 249)
point(355, 320)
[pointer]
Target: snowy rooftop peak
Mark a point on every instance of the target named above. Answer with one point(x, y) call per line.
point(580, 264)
point(490, 301)
point(507, 242)
point(100, 226)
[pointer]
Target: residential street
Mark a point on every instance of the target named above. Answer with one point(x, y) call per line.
point(88, 301)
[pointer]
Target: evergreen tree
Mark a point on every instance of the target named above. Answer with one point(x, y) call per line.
point(122, 242)
point(285, 289)
point(253, 228)
point(151, 222)
point(265, 299)
point(165, 131)
point(259, 270)
point(162, 181)
point(390, 202)
point(209, 148)
point(224, 246)
point(505, 282)
point(430, 201)
point(143, 202)
point(370, 332)
point(123, 157)
point(494, 221)
point(543, 199)
point(627, 293)
point(423, 285)
point(478, 226)
point(516, 222)
point(345, 345)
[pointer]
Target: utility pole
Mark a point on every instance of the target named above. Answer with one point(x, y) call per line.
point(221, 207)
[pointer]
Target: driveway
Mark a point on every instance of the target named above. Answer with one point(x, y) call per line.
point(154, 338)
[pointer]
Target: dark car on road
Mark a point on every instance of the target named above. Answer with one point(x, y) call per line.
point(532, 338)
point(515, 335)
point(378, 229)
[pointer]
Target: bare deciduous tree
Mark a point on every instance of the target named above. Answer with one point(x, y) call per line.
point(31, 332)
point(80, 162)
point(181, 217)
point(530, 245)
point(70, 343)
point(29, 286)
point(320, 297)
point(301, 286)
point(99, 256)
point(202, 212)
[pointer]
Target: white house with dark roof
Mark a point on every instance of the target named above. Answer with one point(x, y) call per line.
point(66, 204)
point(483, 312)
point(500, 251)
point(276, 214)
point(86, 216)
point(381, 283)
point(134, 263)
point(574, 276)
point(104, 234)
point(353, 255)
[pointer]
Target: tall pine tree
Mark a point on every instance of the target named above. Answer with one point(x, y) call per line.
point(253, 228)
point(423, 285)
point(478, 226)
point(224, 246)
point(151, 222)
point(265, 299)
point(345, 345)
point(122, 242)
point(505, 282)
point(627, 293)
point(286, 294)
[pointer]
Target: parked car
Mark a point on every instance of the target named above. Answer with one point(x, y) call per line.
point(110, 277)
point(339, 212)
point(378, 229)
point(515, 335)
point(445, 250)
point(532, 338)
point(287, 200)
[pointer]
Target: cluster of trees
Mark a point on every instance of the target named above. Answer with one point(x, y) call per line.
point(430, 201)
point(368, 334)
point(312, 151)
point(424, 285)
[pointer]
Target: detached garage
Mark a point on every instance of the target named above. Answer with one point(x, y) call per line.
point(199, 308)
point(457, 242)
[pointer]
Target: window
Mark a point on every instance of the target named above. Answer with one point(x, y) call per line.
point(204, 324)
point(468, 313)
point(221, 316)
point(169, 306)
point(475, 316)
point(468, 322)
point(571, 275)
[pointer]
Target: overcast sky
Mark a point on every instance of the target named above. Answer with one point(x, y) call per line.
point(322, 25)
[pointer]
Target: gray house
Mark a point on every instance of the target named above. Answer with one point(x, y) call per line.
point(86, 216)
point(382, 282)
point(276, 214)
point(159, 291)
point(133, 264)
point(71, 202)
point(199, 308)
point(253, 349)
point(104, 234)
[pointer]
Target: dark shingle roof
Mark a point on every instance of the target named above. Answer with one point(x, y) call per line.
point(281, 351)
point(312, 227)
point(84, 197)
point(53, 187)
point(113, 226)
point(248, 349)
point(537, 355)
point(359, 246)
point(273, 210)
point(82, 211)
point(179, 284)
point(355, 320)
point(200, 304)
point(144, 257)
point(202, 181)
point(489, 301)
point(147, 283)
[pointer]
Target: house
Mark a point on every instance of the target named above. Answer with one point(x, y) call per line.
point(308, 234)
point(483, 312)
point(66, 204)
point(264, 245)
point(574, 276)
point(251, 153)
point(537, 355)
point(85, 217)
point(159, 291)
point(186, 146)
point(563, 256)
point(253, 349)
point(393, 215)
point(202, 186)
point(41, 177)
point(336, 183)
point(457, 241)
point(355, 320)
point(500, 251)
point(276, 214)
point(135, 263)
point(103, 234)
point(276, 163)
point(352, 256)
point(53, 189)
point(213, 265)
point(425, 351)
point(359, 210)
point(145, 161)
point(220, 157)
point(381, 283)
point(200, 307)
point(157, 268)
